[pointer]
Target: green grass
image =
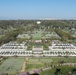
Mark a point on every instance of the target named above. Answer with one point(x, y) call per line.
point(34, 66)
point(11, 65)
point(68, 59)
point(64, 70)
point(45, 60)
point(39, 34)
point(37, 63)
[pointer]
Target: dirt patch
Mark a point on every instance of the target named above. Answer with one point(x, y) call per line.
point(23, 66)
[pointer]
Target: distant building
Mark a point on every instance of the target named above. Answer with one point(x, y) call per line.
point(38, 22)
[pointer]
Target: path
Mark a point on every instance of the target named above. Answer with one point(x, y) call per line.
point(23, 66)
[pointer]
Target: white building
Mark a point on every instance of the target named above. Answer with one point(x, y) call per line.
point(38, 22)
point(62, 49)
point(20, 49)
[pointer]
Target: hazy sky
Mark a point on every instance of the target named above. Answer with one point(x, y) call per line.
point(34, 9)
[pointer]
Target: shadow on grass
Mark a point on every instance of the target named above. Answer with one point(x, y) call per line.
point(35, 74)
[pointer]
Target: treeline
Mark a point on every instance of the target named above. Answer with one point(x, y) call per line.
point(60, 23)
point(64, 35)
point(11, 36)
point(4, 24)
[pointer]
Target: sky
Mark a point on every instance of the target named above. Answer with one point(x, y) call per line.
point(37, 9)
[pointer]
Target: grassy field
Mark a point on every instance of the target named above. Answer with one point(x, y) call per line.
point(37, 63)
point(12, 65)
point(67, 59)
point(39, 34)
point(60, 70)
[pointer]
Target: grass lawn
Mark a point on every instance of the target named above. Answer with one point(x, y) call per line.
point(11, 65)
point(39, 34)
point(37, 63)
point(68, 59)
point(60, 70)
point(14, 64)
